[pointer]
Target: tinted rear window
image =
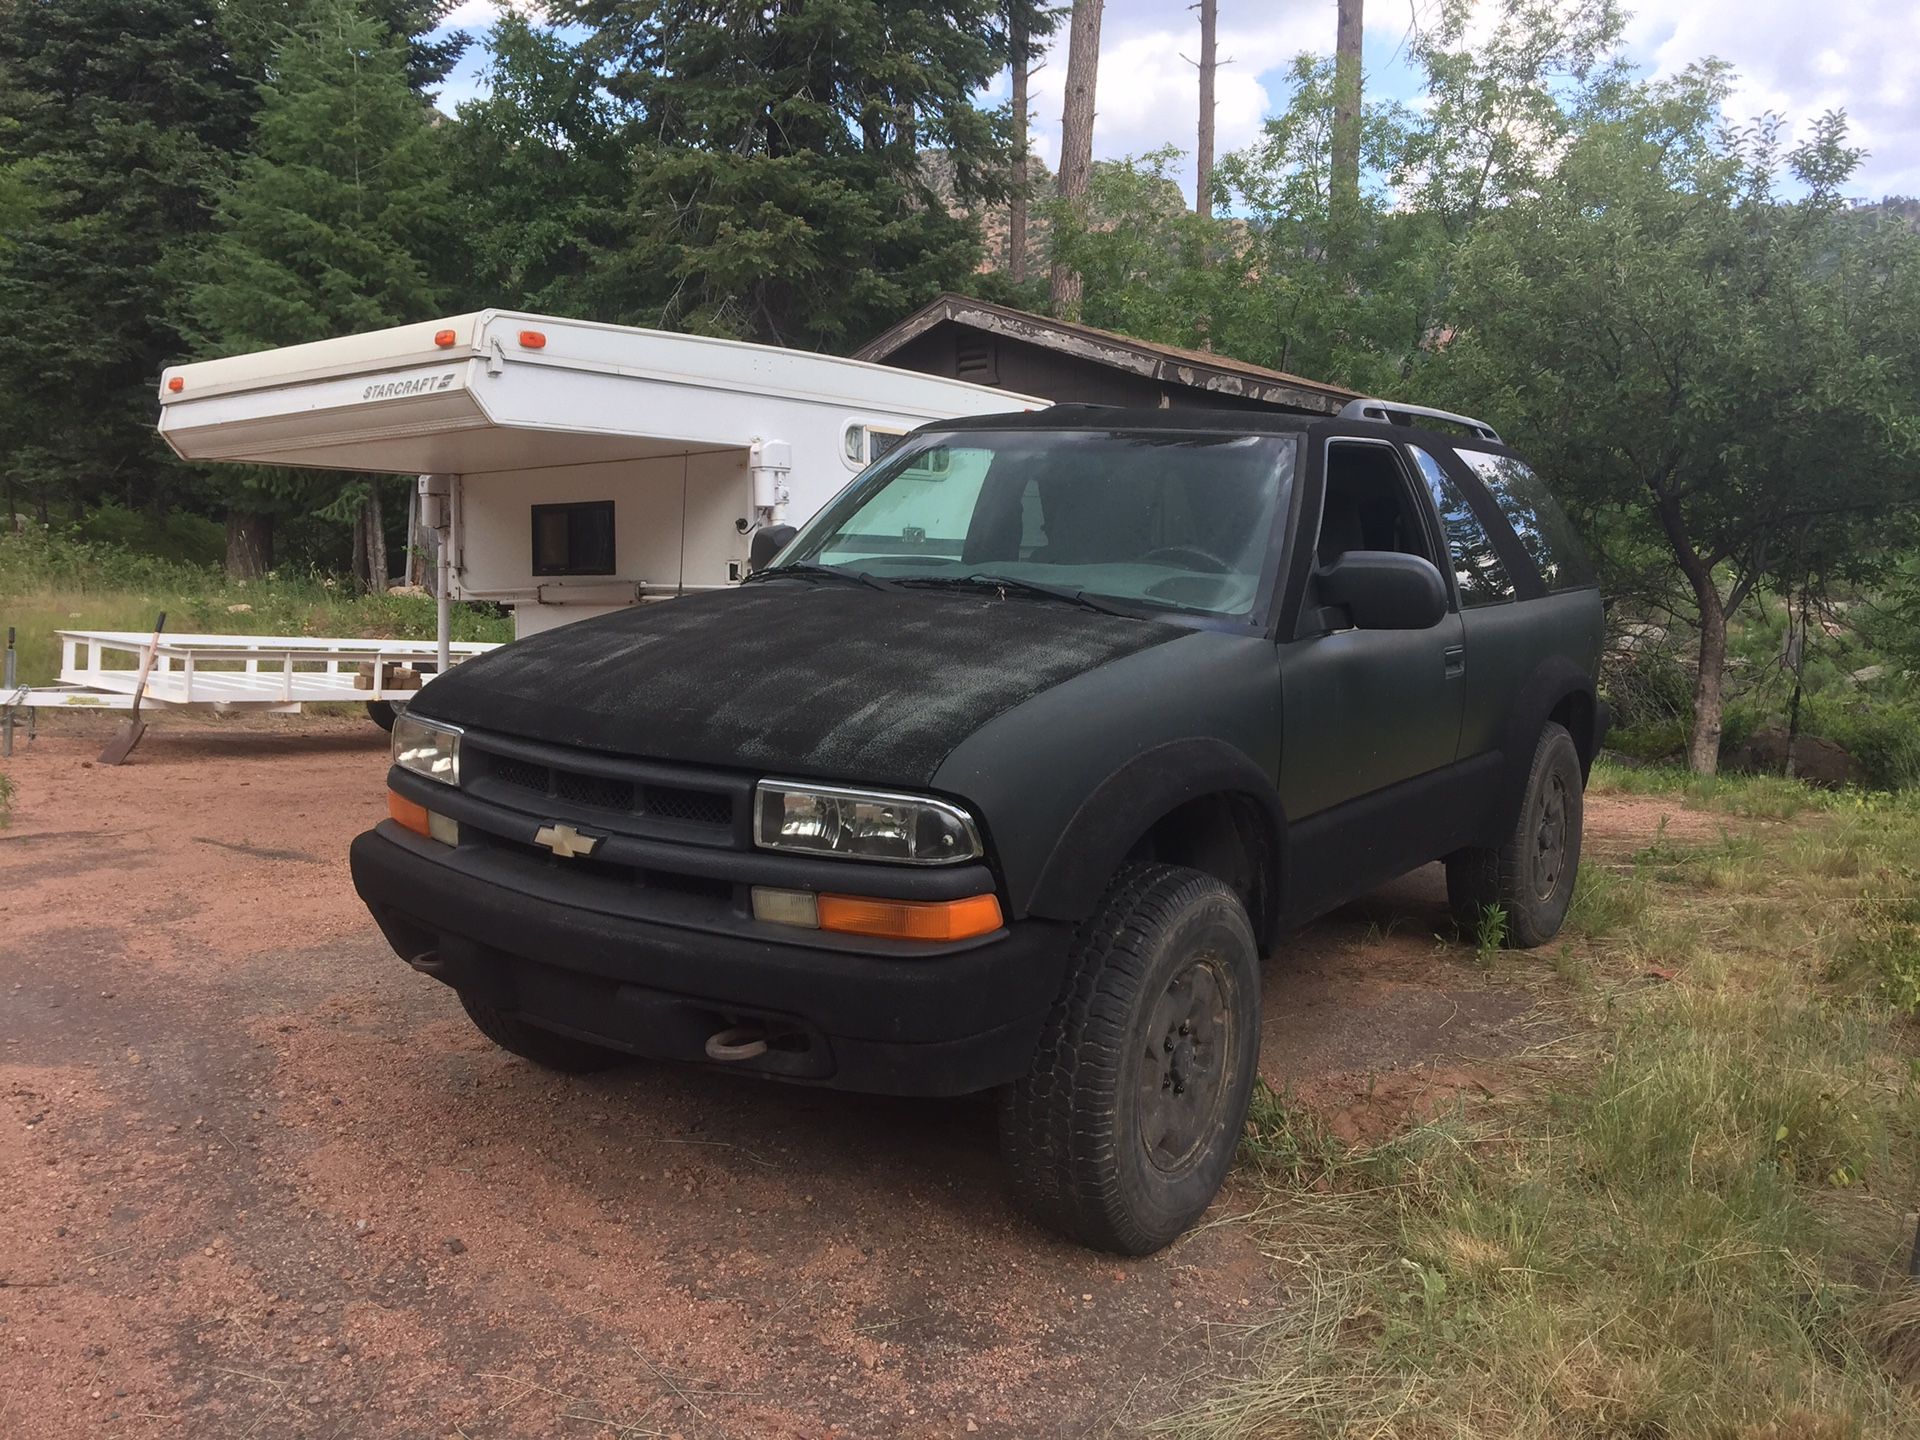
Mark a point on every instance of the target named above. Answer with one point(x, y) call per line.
point(1536, 517)
point(1483, 580)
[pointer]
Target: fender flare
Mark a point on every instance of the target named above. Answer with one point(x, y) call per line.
point(1130, 801)
point(1542, 692)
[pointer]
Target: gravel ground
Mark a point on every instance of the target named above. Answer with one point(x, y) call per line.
point(259, 1179)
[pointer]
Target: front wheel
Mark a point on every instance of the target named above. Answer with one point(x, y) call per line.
point(1529, 875)
point(1124, 1129)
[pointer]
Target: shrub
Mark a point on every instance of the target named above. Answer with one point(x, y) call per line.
point(1882, 736)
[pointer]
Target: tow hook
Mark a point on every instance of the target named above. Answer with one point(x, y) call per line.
point(737, 1042)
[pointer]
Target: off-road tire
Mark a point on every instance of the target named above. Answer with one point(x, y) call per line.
point(542, 1047)
point(1074, 1131)
point(1530, 876)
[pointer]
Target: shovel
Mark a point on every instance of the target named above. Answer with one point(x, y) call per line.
point(128, 736)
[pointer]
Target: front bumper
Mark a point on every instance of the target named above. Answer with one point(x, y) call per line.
point(878, 1016)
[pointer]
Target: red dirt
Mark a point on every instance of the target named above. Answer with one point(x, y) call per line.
point(258, 1179)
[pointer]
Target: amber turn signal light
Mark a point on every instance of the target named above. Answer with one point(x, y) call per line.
point(176, 384)
point(444, 338)
point(910, 919)
point(408, 814)
point(532, 340)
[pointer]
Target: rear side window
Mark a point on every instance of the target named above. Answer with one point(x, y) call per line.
point(1536, 517)
point(1483, 579)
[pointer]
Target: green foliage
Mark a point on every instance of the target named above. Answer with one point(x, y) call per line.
point(778, 192)
point(1684, 1224)
point(259, 27)
point(120, 118)
point(6, 801)
point(541, 164)
point(176, 535)
point(342, 219)
point(52, 582)
point(1882, 736)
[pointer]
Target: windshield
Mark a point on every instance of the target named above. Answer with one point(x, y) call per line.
point(1152, 518)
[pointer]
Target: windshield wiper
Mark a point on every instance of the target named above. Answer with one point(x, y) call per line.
point(984, 579)
point(805, 570)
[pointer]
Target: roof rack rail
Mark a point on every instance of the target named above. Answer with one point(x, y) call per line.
point(1388, 409)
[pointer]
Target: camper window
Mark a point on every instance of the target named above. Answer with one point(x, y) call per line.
point(573, 539)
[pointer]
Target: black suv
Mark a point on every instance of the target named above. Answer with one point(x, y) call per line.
point(1009, 768)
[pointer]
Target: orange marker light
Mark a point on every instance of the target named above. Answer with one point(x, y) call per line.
point(176, 384)
point(407, 814)
point(444, 338)
point(532, 340)
point(910, 919)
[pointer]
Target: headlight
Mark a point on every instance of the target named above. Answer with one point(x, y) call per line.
point(862, 824)
point(427, 748)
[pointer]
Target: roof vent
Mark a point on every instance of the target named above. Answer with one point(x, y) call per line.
point(974, 359)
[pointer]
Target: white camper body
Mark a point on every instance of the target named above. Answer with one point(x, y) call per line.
point(566, 468)
point(571, 468)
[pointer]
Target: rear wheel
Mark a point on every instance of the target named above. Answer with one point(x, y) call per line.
point(1530, 875)
point(1124, 1129)
point(542, 1047)
point(383, 712)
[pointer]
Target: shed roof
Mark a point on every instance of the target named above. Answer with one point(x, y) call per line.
point(1168, 364)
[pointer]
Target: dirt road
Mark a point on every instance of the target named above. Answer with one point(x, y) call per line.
point(259, 1179)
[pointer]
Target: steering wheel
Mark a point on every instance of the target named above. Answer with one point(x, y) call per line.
point(1210, 563)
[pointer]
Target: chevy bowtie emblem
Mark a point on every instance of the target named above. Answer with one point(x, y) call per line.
point(565, 841)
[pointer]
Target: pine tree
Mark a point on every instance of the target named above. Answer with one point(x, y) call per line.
point(341, 220)
point(778, 191)
point(542, 167)
point(259, 27)
point(117, 116)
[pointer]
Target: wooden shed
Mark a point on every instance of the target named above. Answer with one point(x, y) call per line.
point(975, 340)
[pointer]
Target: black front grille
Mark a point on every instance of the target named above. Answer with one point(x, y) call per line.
point(523, 773)
point(595, 790)
point(701, 807)
point(611, 793)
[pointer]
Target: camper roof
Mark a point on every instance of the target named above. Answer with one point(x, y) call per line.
point(502, 390)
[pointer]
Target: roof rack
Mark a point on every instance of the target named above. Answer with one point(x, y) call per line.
point(1392, 410)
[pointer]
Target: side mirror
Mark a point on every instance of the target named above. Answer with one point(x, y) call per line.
point(768, 541)
point(1385, 590)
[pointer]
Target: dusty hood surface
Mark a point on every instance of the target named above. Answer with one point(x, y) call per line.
point(812, 679)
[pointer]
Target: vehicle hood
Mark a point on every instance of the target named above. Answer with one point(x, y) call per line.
point(821, 680)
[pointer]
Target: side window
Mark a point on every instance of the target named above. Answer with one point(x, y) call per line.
point(1368, 504)
point(1536, 517)
point(1483, 579)
point(573, 539)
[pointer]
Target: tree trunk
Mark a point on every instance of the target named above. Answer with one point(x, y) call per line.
point(249, 544)
point(376, 523)
point(1343, 186)
point(1703, 753)
point(1076, 142)
point(1203, 152)
point(359, 562)
point(1017, 200)
point(1797, 663)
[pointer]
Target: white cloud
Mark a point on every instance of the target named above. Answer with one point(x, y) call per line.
point(1147, 94)
point(1861, 56)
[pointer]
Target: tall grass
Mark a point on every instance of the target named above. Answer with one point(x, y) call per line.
point(50, 583)
point(1691, 1218)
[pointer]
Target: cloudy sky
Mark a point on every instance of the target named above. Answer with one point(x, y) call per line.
point(1798, 59)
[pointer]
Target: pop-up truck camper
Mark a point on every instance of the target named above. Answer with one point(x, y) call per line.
point(566, 469)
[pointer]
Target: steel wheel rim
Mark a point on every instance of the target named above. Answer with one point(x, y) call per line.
point(1551, 836)
point(1185, 1064)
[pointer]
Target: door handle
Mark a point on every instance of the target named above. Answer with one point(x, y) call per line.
point(1456, 658)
